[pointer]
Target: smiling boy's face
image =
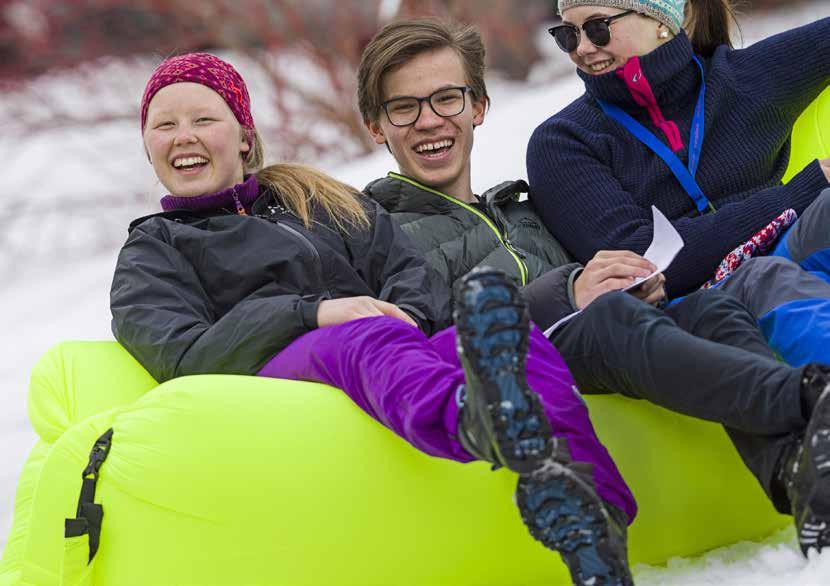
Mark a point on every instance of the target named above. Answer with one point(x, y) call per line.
point(434, 150)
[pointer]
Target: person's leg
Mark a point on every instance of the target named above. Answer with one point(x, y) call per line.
point(719, 317)
point(807, 243)
point(391, 371)
point(703, 357)
point(620, 344)
point(395, 374)
point(570, 421)
point(557, 498)
point(795, 473)
point(806, 473)
point(414, 386)
point(792, 306)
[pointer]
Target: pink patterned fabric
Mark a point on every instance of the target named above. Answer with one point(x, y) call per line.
point(205, 69)
point(758, 245)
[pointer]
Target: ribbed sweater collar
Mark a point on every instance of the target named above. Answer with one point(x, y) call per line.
point(246, 192)
point(670, 71)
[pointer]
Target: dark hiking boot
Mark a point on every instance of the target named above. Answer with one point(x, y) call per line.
point(807, 471)
point(563, 511)
point(502, 420)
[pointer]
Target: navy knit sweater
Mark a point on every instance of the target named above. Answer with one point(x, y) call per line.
point(593, 182)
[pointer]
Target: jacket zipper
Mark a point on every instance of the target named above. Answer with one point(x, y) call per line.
point(318, 263)
point(503, 239)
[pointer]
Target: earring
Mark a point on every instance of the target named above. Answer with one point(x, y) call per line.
point(663, 34)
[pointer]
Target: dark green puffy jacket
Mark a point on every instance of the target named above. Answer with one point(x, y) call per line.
point(498, 231)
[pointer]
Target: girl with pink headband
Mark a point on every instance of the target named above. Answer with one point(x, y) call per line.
point(287, 273)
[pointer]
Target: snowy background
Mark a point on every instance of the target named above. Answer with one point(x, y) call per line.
point(54, 295)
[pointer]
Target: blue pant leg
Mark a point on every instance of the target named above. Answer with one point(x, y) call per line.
point(807, 242)
point(792, 307)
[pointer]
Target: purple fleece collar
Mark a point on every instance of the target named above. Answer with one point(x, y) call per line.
point(244, 193)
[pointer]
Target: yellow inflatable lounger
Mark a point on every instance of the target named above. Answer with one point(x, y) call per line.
point(811, 135)
point(240, 480)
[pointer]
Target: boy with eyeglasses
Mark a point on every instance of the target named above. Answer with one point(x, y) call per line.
point(421, 92)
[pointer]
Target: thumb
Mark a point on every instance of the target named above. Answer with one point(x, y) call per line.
point(393, 310)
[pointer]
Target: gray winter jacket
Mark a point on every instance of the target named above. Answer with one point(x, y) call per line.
point(498, 231)
point(216, 292)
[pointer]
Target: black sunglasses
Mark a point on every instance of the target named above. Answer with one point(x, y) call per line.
point(598, 31)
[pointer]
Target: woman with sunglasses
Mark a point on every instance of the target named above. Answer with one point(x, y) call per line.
point(284, 272)
point(676, 118)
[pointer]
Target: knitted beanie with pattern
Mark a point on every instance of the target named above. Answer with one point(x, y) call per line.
point(669, 12)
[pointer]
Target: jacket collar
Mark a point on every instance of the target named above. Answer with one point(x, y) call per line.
point(670, 71)
point(246, 192)
point(398, 194)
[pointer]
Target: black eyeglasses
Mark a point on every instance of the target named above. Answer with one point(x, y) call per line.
point(598, 31)
point(445, 103)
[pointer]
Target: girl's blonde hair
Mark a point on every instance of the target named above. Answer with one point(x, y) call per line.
point(303, 189)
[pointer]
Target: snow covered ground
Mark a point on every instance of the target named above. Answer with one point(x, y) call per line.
point(53, 295)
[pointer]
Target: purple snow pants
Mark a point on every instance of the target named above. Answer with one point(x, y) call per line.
point(409, 383)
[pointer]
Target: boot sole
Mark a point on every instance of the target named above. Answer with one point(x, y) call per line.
point(492, 336)
point(815, 522)
point(566, 515)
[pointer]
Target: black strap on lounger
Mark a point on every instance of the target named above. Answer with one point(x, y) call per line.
point(90, 514)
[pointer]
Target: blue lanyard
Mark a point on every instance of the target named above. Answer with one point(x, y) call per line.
point(686, 176)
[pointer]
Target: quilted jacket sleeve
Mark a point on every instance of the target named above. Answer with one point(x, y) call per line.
point(550, 297)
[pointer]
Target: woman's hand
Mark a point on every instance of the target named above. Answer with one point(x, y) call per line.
point(332, 312)
point(652, 291)
point(825, 166)
point(612, 270)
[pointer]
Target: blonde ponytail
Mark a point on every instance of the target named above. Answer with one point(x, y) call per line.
point(302, 189)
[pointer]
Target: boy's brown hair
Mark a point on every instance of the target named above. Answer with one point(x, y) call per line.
point(400, 41)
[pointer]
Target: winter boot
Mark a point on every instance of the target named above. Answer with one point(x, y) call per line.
point(562, 510)
point(502, 419)
point(806, 472)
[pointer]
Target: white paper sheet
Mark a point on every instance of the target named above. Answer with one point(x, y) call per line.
point(665, 244)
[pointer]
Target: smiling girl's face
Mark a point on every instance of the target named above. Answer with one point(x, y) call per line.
point(194, 141)
point(632, 35)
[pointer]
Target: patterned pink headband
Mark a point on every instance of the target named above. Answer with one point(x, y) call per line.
point(209, 71)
